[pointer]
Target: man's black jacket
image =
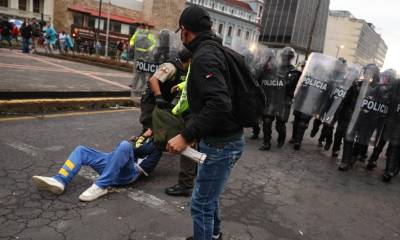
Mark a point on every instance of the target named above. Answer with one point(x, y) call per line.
point(209, 92)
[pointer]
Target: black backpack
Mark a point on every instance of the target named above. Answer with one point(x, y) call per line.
point(248, 97)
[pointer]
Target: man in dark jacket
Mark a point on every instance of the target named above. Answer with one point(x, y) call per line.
point(212, 124)
point(26, 34)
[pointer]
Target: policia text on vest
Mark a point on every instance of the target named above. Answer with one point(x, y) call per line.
point(147, 67)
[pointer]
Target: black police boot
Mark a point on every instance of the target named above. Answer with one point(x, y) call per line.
point(348, 159)
point(265, 147)
point(314, 132)
point(372, 161)
point(179, 190)
point(281, 141)
point(328, 145)
point(387, 177)
point(297, 146)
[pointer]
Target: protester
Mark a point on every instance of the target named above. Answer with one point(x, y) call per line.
point(5, 34)
point(36, 34)
point(212, 123)
point(120, 49)
point(50, 36)
point(69, 43)
point(61, 41)
point(15, 33)
point(124, 165)
point(26, 34)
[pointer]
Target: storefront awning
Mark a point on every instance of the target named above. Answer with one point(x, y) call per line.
point(95, 13)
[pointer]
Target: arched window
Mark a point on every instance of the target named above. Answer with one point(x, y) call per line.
point(247, 35)
point(220, 28)
point(230, 31)
point(239, 32)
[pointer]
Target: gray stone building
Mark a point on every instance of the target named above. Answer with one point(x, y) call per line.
point(289, 23)
point(233, 19)
point(20, 9)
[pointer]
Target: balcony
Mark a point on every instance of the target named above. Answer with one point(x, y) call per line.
point(23, 14)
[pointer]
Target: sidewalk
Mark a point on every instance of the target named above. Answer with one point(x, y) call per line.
point(42, 81)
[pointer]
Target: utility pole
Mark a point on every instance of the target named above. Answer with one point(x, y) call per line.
point(310, 39)
point(98, 28)
point(108, 28)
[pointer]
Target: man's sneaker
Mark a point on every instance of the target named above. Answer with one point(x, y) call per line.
point(48, 184)
point(213, 237)
point(92, 193)
point(179, 190)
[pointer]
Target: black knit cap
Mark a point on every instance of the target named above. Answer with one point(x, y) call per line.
point(195, 19)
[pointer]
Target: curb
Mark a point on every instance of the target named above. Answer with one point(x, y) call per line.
point(13, 95)
point(87, 61)
point(11, 107)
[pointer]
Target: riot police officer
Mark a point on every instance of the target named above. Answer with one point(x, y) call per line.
point(279, 81)
point(143, 42)
point(387, 78)
point(369, 113)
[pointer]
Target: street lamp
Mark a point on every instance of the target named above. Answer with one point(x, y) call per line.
point(338, 50)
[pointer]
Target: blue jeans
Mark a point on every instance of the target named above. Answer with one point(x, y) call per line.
point(115, 168)
point(25, 45)
point(210, 181)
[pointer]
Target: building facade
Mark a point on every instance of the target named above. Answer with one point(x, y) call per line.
point(82, 17)
point(233, 19)
point(354, 39)
point(20, 9)
point(289, 23)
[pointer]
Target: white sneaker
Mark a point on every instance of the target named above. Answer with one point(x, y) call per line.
point(92, 193)
point(48, 184)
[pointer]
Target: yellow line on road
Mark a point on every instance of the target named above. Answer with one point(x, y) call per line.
point(57, 115)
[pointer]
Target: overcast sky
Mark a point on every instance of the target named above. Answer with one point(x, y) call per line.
point(385, 15)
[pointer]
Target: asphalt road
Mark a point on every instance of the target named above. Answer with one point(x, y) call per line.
point(32, 73)
point(280, 195)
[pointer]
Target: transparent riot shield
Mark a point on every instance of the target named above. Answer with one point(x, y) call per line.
point(339, 93)
point(144, 44)
point(371, 107)
point(315, 85)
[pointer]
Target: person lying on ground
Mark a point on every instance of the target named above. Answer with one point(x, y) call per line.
point(124, 165)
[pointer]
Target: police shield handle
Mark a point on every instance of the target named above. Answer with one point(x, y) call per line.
point(194, 155)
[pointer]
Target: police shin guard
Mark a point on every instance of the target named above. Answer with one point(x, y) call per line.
point(281, 129)
point(348, 158)
point(267, 131)
point(392, 164)
point(301, 129)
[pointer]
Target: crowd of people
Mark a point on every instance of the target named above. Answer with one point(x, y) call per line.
point(207, 115)
point(33, 34)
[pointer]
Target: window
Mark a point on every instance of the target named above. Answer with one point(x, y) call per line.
point(115, 26)
point(239, 32)
point(247, 35)
point(223, 8)
point(22, 5)
point(4, 3)
point(78, 19)
point(220, 28)
point(36, 6)
point(230, 31)
point(92, 22)
point(132, 30)
point(260, 11)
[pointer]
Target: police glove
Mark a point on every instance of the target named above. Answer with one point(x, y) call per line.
point(161, 102)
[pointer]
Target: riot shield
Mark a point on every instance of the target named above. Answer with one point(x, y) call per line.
point(339, 93)
point(392, 124)
point(277, 80)
point(371, 107)
point(315, 85)
point(144, 43)
point(256, 55)
point(168, 46)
